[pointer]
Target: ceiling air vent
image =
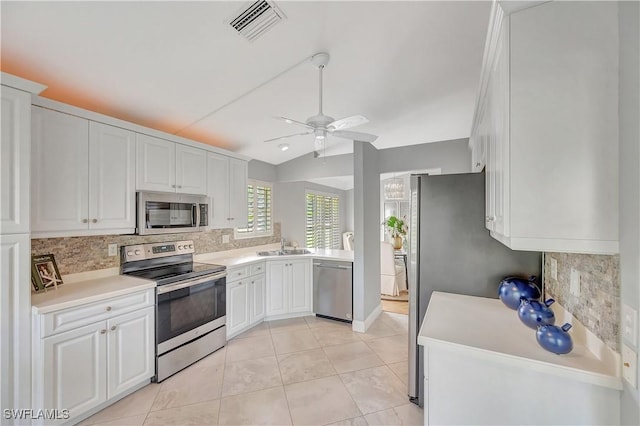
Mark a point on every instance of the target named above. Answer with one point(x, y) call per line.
point(256, 19)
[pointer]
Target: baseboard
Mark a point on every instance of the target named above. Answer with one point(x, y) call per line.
point(363, 326)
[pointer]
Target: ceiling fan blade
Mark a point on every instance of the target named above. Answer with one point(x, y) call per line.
point(347, 123)
point(288, 136)
point(356, 136)
point(292, 121)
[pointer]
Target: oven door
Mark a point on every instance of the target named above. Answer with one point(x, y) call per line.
point(188, 309)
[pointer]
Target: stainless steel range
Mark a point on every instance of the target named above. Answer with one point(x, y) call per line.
point(190, 302)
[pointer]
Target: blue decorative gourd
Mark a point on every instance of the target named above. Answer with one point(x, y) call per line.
point(555, 339)
point(533, 313)
point(511, 289)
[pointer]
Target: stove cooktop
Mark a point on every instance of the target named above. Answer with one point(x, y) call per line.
point(168, 274)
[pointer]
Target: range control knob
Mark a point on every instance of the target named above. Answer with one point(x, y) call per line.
point(137, 252)
point(190, 246)
point(179, 247)
point(129, 253)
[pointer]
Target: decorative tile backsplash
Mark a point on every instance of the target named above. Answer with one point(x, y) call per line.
point(598, 305)
point(80, 254)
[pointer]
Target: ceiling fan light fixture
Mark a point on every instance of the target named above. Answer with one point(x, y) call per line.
point(320, 134)
point(283, 146)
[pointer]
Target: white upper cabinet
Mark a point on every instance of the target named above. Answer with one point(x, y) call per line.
point(14, 161)
point(59, 172)
point(155, 164)
point(82, 176)
point(547, 116)
point(111, 177)
point(191, 170)
point(227, 180)
point(170, 167)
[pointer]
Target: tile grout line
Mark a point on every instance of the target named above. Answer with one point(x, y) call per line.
point(284, 390)
point(224, 370)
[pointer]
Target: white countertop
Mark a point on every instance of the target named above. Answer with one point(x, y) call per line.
point(87, 287)
point(241, 257)
point(92, 290)
point(486, 328)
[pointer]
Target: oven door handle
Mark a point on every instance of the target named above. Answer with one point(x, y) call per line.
point(190, 283)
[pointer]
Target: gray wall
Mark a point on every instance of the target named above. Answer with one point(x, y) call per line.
point(262, 171)
point(366, 204)
point(306, 167)
point(452, 157)
point(348, 214)
point(629, 111)
point(289, 207)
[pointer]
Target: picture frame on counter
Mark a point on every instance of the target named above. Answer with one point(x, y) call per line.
point(45, 273)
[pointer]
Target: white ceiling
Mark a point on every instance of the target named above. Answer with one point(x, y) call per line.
point(412, 68)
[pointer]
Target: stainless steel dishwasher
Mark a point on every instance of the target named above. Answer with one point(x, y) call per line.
point(333, 289)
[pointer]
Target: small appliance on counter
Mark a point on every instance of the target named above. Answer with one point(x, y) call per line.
point(190, 302)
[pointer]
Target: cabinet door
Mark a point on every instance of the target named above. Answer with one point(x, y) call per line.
point(75, 369)
point(238, 210)
point(191, 170)
point(500, 130)
point(299, 285)
point(59, 171)
point(218, 190)
point(155, 164)
point(111, 177)
point(14, 161)
point(257, 306)
point(131, 350)
point(276, 287)
point(15, 309)
point(238, 307)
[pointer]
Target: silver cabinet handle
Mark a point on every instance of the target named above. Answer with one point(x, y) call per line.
point(490, 218)
point(94, 220)
point(179, 186)
point(103, 331)
point(108, 308)
point(113, 328)
point(173, 186)
point(85, 220)
point(478, 164)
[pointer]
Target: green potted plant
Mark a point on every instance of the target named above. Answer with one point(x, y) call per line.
point(397, 229)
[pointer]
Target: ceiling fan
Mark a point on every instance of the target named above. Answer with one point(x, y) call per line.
point(322, 125)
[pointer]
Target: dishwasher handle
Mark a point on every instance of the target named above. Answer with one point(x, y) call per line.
point(324, 265)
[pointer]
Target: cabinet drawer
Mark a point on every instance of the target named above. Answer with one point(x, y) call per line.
point(67, 319)
point(257, 268)
point(237, 273)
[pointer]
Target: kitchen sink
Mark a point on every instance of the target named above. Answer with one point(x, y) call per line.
point(283, 252)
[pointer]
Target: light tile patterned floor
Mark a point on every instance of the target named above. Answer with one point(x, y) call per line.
point(301, 371)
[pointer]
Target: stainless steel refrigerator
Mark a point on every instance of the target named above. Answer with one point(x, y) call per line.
point(451, 250)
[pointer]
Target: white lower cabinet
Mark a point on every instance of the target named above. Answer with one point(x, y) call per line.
point(238, 311)
point(130, 340)
point(245, 297)
point(288, 287)
point(82, 368)
point(272, 289)
point(257, 307)
point(75, 369)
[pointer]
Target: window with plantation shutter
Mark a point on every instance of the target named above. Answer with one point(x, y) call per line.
point(322, 221)
point(259, 204)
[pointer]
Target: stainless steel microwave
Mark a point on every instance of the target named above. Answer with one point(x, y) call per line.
point(170, 213)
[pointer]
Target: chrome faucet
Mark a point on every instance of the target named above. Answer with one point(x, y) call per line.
point(282, 244)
